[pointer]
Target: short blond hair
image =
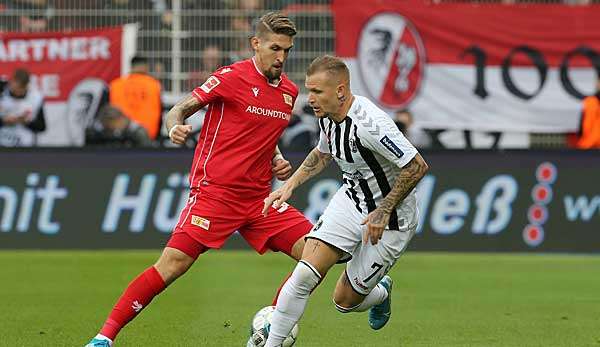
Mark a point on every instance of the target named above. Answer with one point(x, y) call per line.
point(328, 63)
point(276, 23)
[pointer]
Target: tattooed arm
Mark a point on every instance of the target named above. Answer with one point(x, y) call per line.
point(314, 163)
point(406, 181)
point(178, 132)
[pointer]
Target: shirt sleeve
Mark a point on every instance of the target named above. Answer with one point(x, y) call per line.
point(215, 87)
point(385, 139)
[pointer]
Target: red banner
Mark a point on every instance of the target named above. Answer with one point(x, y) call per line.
point(489, 67)
point(58, 61)
point(450, 28)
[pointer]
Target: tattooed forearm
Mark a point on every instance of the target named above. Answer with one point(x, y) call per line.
point(407, 179)
point(183, 109)
point(314, 163)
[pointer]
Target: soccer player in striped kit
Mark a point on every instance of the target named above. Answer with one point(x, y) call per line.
point(371, 218)
point(249, 105)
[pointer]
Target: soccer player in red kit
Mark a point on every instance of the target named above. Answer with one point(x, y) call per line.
point(249, 105)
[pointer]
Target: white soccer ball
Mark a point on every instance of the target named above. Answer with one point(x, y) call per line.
point(261, 325)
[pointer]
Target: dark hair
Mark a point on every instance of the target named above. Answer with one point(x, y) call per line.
point(137, 60)
point(21, 76)
point(330, 64)
point(274, 22)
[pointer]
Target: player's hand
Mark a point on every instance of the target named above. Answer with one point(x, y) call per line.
point(376, 222)
point(282, 169)
point(277, 198)
point(179, 133)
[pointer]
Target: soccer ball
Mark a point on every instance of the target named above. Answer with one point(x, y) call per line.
point(261, 324)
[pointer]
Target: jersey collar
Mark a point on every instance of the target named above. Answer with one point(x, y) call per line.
point(263, 75)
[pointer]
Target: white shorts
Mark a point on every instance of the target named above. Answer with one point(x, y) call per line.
point(340, 226)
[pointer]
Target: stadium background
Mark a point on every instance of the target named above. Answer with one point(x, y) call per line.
point(539, 197)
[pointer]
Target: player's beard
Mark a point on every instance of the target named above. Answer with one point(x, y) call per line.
point(273, 75)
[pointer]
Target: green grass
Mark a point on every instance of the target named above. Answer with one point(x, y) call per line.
point(62, 298)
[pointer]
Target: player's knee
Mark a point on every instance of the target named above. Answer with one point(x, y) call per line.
point(344, 307)
point(171, 265)
point(305, 277)
point(346, 301)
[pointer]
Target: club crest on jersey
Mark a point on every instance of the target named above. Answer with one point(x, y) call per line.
point(200, 222)
point(255, 91)
point(210, 84)
point(287, 99)
point(353, 147)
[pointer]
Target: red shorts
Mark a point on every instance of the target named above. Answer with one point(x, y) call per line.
point(207, 222)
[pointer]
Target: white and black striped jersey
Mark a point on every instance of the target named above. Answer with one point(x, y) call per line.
point(370, 151)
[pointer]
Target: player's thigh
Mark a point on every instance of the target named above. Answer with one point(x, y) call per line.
point(209, 221)
point(339, 226)
point(370, 263)
point(281, 230)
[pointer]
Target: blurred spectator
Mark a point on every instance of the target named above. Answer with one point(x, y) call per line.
point(137, 95)
point(211, 58)
point(239, 47)
point(36, 17)
point(21, 111)
point(404, 121)
point(589, 129)
point(577, 2)
point(113, 129)
point(126, 12)
point(249, 5)
point(300, 136)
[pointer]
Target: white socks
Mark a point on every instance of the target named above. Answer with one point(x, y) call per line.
point(292, 302)
point(375, 297)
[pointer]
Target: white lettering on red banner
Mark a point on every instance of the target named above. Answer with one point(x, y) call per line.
point(59, 61)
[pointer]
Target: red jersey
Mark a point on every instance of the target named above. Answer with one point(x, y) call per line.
point(245, 118)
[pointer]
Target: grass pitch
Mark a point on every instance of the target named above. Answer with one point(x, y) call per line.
point(61, 298)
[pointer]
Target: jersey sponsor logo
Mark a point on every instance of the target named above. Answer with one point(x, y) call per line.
point(210, 84)
point(255, 91)
point(389, 144)
point(288, 99)
point(267, 112)
point(200, 222)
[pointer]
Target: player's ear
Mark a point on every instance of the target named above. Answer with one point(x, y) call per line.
point(341, 92)
point(254, 42)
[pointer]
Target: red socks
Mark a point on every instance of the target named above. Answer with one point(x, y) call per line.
point(138, 295)
point(279, 290)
